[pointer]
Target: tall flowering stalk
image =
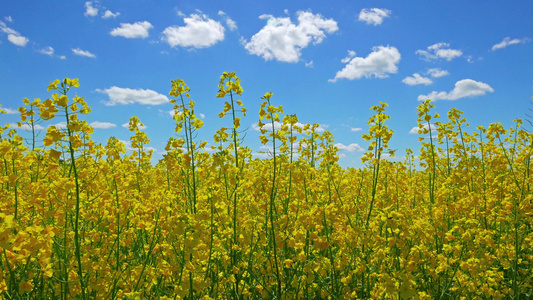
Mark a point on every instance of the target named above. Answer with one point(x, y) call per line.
point(230, 84)
point(74, 128)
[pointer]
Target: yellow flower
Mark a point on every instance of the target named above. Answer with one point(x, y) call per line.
point(53, 85)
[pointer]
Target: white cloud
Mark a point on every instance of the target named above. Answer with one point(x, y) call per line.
point(202, 116)
point(199, 32)
point(62, 57)
point(507, 42)
point(439, 50)
point(9, 111)
point(349, 148)
point(25, 126)
point(90, 11)
point(7, 30)
point(127, 125)
point(381, 61)
point(309, 64)
point(102, 125)
point(108, 14)
point(47, 51)
point(8, 19)
point(415, 129)
point(232, 25)
point(13, 36)
point(60, 125)
point(417, 79)
point(282, 40)
point(355, 129)
point(436, 72)
point(126, 96)
point(374, 16)
point(132, 31)
point(80, 52)
point(18, 40)
point(463, 88)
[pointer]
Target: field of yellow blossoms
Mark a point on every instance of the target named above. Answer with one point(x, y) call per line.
point(79, 220)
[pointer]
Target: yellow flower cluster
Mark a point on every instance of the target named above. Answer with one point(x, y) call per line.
point(80, 220)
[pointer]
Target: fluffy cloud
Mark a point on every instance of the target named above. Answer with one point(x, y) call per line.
point(463, 88)
point(132, 31)
point(199, 32)
point(355, 129)
point(90, 11)
point(47, 51)
point(80, 52)
point(18, 40)
point(282, 40)
point(374, 16)
point(12, 35)
point(349, 148)
point(417, 79)
point(232, 25)
point(507, 42)
point(126, 96)
point(436, 72)
point(439, 50)
point(108, 14)
point(102, 125)
point(381, 61)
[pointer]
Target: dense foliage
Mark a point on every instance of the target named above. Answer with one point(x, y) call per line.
point(82, 220)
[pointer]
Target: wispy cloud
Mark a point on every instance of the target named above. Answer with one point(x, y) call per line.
point(102, 125)
point(85, 53)
point(12, 35)
point(508, 41)
point(232, 25)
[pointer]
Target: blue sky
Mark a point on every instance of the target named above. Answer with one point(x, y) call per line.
point(326, 61)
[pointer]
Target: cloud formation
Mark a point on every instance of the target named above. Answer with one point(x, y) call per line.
point(282, 40)
point(349, 148)
point(232, 25)
point(507, 42)
point(85, 53)
point(109, 14)
point(463, 88)
point(199, 32)
point(102, 125)
point(90, 10)
point(439, 51)
point(379, 63)
point(47, 51)
point(132, 31)
point(124, 96)
point(436, 72)
point(12, 35)
point(417, 79)
point(374, 16)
